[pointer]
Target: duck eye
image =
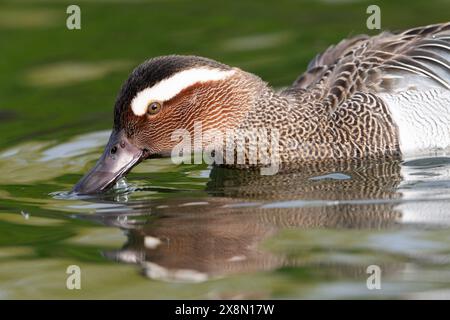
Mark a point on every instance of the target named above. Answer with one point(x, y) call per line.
point(114, 150)
point(154, 108)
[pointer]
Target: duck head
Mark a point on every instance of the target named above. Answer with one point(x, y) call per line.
point(162, 95)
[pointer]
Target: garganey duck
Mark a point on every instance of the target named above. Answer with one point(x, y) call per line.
point(366, 97)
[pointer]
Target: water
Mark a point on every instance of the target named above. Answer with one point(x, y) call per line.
point(194, 231)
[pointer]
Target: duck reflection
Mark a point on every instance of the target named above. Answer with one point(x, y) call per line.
point(223, 233)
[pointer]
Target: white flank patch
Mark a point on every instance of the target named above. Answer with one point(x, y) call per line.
point(170, 87)
point(423, 119)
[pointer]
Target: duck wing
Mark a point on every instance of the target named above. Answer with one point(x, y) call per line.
point(388, 62)
point(398, 78)
point(416, 57)
point(323, 62)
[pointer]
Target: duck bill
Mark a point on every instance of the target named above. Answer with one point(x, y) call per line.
point(119, 157)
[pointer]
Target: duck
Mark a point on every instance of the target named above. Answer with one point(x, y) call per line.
point(367, 97)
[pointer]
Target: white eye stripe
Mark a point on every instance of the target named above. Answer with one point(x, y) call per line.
point(170, 87)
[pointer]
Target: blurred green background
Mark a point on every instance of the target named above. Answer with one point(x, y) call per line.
point(56, 84)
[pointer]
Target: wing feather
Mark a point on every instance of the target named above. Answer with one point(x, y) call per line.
point(388, 62)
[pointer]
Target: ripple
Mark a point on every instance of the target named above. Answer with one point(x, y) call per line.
point(427, 162)
point(332, 176)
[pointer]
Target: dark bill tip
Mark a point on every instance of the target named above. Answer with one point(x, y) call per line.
point(119, 157)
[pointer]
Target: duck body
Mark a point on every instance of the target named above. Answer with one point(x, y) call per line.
point(366, 97)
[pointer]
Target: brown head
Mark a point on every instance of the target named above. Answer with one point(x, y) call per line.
point(165, 94)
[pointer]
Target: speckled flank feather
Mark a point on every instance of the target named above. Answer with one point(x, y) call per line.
point(366, 97)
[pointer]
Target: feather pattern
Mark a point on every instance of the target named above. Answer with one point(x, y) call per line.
point(367, 97)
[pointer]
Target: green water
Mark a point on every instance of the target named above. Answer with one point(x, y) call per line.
point(193, 231)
